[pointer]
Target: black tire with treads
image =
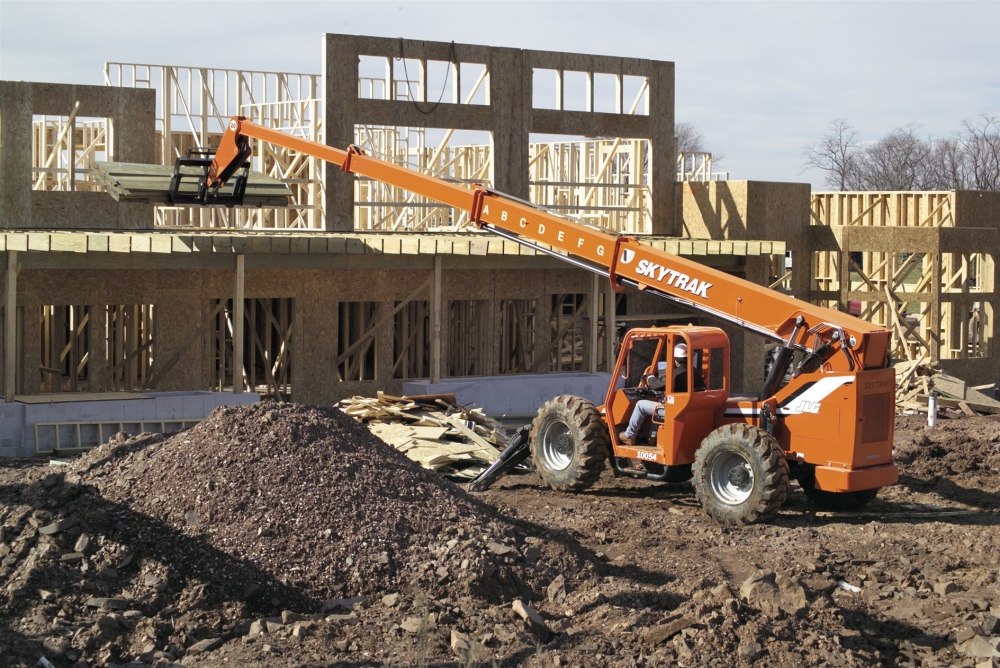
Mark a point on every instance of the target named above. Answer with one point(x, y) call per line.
point(582, 437)
point(766, 463)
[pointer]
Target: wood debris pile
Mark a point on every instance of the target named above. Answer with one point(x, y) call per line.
point(916, 379)
point(433, 431)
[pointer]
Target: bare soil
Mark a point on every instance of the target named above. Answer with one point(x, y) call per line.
point(278, 517)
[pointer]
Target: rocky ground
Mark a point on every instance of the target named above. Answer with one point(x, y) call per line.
point(289, 536)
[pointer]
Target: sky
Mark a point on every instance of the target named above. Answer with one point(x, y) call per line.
point(759, 79)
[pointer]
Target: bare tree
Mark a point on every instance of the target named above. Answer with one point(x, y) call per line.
point(897, 161)
point(946, 166)
point(835, 153)
point(981, 145)
point(689, 138)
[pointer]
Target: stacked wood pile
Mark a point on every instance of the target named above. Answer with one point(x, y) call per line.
point(433, 431)
point(916, 379)
point(128, 182)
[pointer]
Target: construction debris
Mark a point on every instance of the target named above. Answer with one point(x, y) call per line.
point(433, 431)
point(916, 379)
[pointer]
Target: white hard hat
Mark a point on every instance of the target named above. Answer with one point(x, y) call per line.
point(681, 350)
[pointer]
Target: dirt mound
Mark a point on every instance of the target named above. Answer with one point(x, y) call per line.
point(306, 501)
point(958, 449)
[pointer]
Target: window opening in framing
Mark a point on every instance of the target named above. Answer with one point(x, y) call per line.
point(468, 330)
point(128, 345)
point(357, 343)
point(411, 341)
point(517, 335)
point(267, 346)
point(567, 326)
point(64, 150)
point(64, 363)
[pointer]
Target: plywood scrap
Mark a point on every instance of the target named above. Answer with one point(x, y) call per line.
point(916, 379)
point(433, 431)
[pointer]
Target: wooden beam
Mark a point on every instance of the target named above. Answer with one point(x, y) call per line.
point(238, 280)
point(436, 306)
point(10, 328)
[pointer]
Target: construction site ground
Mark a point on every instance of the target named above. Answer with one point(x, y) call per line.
point(251, 539)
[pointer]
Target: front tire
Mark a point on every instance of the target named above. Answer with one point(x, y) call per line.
point(569, 443)
point(740, 474)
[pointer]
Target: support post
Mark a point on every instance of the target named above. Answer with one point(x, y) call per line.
point(436, 322)
point(10, 329)
point(238, 325)
point(595, 298)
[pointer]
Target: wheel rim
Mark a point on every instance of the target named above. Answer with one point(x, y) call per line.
point(731, 478)
point(557, 446)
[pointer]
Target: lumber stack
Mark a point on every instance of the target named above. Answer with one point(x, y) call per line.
point(129, 182)
point(916, 379)
point(433, 431)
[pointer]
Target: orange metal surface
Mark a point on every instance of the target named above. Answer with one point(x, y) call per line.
point(833, 479)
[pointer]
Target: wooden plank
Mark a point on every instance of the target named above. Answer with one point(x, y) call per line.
point(319, 245)
point(409, 246)
point(71, 243)
point(753, 248)
point(299, 245)
point(260, 244)
point(684, 248)
point(97, 243)
point(222, 243)
point(241, 244)
point(120, 243)
point(353, 246)
point(180, 244)
point(391, 245)
point(202, 244)
point(160, 243)
point(699, 248)
point(38, 241)
point(280, 245)
point(17, 241)
point(141, 243)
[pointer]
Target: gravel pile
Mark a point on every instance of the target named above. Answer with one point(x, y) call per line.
point(299, 500)
point(257, 513)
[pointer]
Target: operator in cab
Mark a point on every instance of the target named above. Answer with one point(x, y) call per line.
point(644, 408)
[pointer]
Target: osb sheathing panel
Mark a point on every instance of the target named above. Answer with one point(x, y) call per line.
point(741, 210)
point(974, 208)
point(132, 113)
point(467, 284)
point(561, 281)
point(509, 116)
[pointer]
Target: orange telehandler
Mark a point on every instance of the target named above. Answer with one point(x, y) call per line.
point(823, 417)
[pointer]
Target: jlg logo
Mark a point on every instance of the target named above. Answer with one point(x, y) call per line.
point(807, 406)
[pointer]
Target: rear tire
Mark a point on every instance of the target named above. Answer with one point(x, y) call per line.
point(569, 443)
point(836, 501)
point(740, 474)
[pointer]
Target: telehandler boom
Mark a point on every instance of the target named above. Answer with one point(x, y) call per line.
point(824, 415)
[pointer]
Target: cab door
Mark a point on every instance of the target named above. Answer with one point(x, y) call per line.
point(692, 399)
